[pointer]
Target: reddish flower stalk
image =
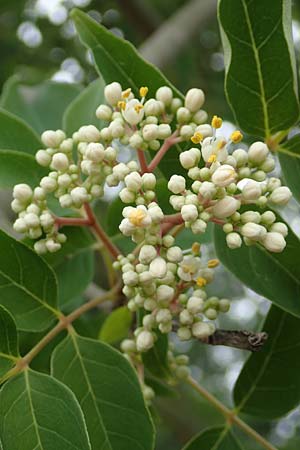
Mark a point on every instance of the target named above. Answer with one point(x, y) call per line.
point(142, 160)
point(173, 139)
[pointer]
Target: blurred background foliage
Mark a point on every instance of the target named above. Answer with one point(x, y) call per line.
point(39, 43)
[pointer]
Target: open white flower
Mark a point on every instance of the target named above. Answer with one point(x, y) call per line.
point(214, 149)
point(189, 268)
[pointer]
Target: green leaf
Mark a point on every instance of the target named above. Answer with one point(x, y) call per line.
point(42, 105)
point(9, 346)
point(74, 275)
point(214, 439)
point(38, 412)
point(289, 157)
point(108, 391)
point(260, 81)
point(17, 135)
point(156, 359)
point(17, 167)
point(117, 60)
point(116, 326)
point(275, 276)
point(82, 110)
point(269, 383)
point(114, 216)
point(28, 285)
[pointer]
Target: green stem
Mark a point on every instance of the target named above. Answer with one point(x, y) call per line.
point(230, 415)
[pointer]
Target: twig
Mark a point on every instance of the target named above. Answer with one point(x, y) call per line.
point(173, 139)
point(142, 161)
point(229, 415)
point(244, 340)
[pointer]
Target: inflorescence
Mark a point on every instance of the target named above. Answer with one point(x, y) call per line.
point(226, 183)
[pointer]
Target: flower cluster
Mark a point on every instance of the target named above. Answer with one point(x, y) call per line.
point(226, 184)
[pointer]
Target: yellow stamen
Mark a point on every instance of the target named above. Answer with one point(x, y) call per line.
point(143, 91)
point(126, 93)
point(212, 263)
point(236, 136)
point(212, 159)
point(138, 107)
point(196, 248)
point(221, 144)
point(197, 138)
point(121, 105)
point(137, 216)
point(201, 281)
point(216, 122)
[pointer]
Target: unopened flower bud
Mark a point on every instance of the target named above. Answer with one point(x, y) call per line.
point(150, 132)
point(190, 158)
point(224, 175)
point(194, 99)
point(233, 240)
point(183, 115)
point(165, 95)
point(195, 305)
point(202, 330)
point(158, 267)
point(225, 207)
point(149, 181)
point(60, 162)
point(199, 226)
point(164, 131)
point(130, 278)
point(103, 112)
point(53, 138)
point(43, 158)
point(113, 93)
point(258, 152)
point(22, 192)
point(189, 213)
point(147, 254)
point(20, 226)
point(280, 227)
point(205, 130)
point(184, 333)
point(174, 254)
point(251, 191)
point(253, 231)
point(163, 316)
point(133, 181)
point(164, 293)
point(95, 152)
point(176, 184)
point(144, 341)
point(274, 242)
point(280, 195)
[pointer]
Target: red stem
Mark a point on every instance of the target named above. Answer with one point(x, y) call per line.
point(98, 230)
point(72, 221)
point(174, 219)
point(142, 161)
point(173, 139)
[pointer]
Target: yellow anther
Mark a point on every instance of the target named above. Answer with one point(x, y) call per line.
point(212, 159)
point(196, 248)
point(137, 216)
point(138, 107)
point(212, 263)
point(121, 104)
point(143, 91)
point(221, 144)
point(201, 281)
point(216, 122)
point(236, 136)
point(197, 138)
point(126, 93)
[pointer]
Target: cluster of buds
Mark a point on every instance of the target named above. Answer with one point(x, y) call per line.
point(169, 285)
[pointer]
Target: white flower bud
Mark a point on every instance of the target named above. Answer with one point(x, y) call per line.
point(280, 195)
point(224, 175)
point(95, 152)
point(64, 180)
point(184, 333)
point(103, 112)
point(165, 95)
point(152, 107)
point(20, 226)
point(52, 246)
point(32, 208)
point(127, 196)
point(207, 190)
point(164, 131)
point(253, 231)
point(268, 217)
point(176, 184)
point(17, 206)
point(150, 132)
point(43, 158)
point(66, 201)
point(183, 115)
point(199, 226)
point(155, 212)
point(22, 192)
point(128, 346)
point(268, 165)
point(185, 317)
point(89, 133)
point(116, 129)
point(226, 207)
point(233, 240)
point(190, 158)
point(280, 227)
point(120, 171)
point(164, 293)
point(113, 93)
point(186, 132)
point(53, 138)
point(32, 220)
point(205, 129)
point(202, 330)
point(250, 216)
point(60, 162)
point(258, 152)
point(177, 202)
point(274, 242)
point(79, 195)
point(134, 112)
point(47, 220)
point(40, 247)
point(194, 99)
point(158, 267)
point(200, 117)
point(163, 316)
point(130, 278)
point(39, 194)
point(251, 191)
point(189, 213)
point(48, 184)
point(147, 254)
point(195, 305)
point(241, 157)
point(174, 254)
point(144, 341)
point(149, 181)
point(133, 181)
